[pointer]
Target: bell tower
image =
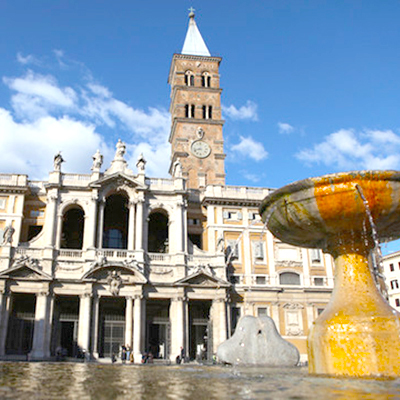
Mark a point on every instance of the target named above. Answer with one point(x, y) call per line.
point(196, 133)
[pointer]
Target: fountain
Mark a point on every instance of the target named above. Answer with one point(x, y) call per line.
point(358, 334)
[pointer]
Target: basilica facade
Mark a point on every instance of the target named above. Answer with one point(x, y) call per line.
point(91, 262)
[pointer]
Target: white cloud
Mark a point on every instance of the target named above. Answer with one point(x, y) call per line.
point(38, 94)
point(347, 149)
point(47, 117)
point(285, 128)
point(248, 147)
point(248, 111)
point(29, 59)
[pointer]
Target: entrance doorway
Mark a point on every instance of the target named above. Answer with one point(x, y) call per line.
point(112, 326)
point(65, 326)
point(158, 332)
point(21, 324)
point(200, 331)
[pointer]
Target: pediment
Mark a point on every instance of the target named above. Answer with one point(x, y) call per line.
point(202, 279)
point(128, 274)
point(117, 179)
point(25, 268)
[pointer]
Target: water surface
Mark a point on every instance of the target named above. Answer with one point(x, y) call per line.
point(106, 381)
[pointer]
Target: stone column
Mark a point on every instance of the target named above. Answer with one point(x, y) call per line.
point(100, 224)
point(129, 321)
point(131, 228)
point(177, 319)
point(184, 227)
point(5, 304)
point(89, 236)
point(271, 258)
point(84, 323)
point(41, 330)
point(275, 316)
point(306, 267)
point(310, 315)
point(219, 322)
point(179, 229)
point(59, 231)
point(139, 225)
point(139, 326)
point(95, 326)
point(211, 230)
point(51, 213)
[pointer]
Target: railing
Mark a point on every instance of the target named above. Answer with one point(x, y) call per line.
point(250, 279)
point(159, 257)
point(159, 182)
point(75, 179)
point(13, 180)
point(70, 253)
point(25, 251)
point(197, 258)
point(113, 253)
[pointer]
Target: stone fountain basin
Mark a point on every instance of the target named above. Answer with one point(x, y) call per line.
point(313, 211)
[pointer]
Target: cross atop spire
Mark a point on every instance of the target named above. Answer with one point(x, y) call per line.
point(194, 44)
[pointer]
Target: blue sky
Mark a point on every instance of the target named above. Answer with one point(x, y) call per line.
point(309, 87)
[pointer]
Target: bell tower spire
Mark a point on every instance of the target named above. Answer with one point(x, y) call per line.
point(196, 133)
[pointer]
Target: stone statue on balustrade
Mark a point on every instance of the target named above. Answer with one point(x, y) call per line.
point(58, 160)
point(121, 150)
point(97, 161)
point(141, 164)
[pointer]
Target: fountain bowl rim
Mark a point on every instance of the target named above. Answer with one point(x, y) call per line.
point(337, 177)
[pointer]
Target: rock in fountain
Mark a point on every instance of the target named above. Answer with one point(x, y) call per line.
point(256, 341)
point(358, 334)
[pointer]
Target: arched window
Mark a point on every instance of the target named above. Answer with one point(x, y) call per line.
point(72, 229)
point(289, 278)
point(158, 233)
point(189, 110)
point(116, 216)
point(207, 112)
point(206, 79)
point(189, 78)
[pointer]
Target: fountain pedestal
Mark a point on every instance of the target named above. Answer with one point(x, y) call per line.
point(358, 334)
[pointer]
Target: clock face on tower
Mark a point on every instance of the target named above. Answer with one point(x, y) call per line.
point(200, 149)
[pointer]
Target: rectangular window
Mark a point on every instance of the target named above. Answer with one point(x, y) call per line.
point(397, 301)
point(391, 266)
point(319, 281)
point(261, 280)
point(399, 265)
point(232, 250)
point(233, 215)
point(315, 255)
point(262, 311)
point(258, 251)
point(36, 213)
point(394, 284)
point(320, 311)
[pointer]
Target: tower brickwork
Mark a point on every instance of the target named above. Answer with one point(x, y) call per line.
point(196, 133)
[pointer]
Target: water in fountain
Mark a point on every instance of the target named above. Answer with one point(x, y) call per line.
point(376, 254)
